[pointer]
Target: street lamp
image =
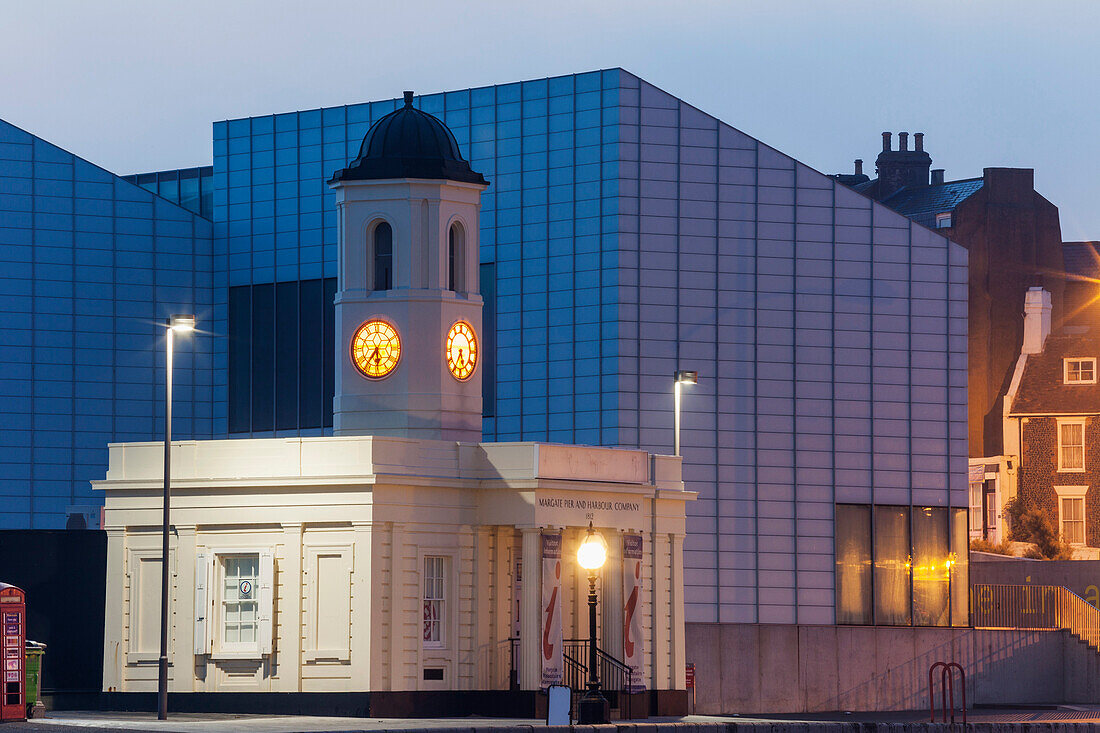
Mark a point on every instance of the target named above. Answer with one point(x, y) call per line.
point(181, 324)
point(681, 377)
point(592, 554)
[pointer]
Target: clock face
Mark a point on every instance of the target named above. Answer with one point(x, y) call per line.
point(375, 349)
point(461, 350)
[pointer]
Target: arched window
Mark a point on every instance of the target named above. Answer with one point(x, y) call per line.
point(383, 256)
point(455, 258)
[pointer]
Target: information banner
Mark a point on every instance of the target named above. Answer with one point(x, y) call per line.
point(551, 651)
point(632, 617)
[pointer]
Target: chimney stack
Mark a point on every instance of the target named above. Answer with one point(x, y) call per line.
point(937, 176)
point(901, 168)
point(1036, 320)
point(918, 142)
point(859, 166)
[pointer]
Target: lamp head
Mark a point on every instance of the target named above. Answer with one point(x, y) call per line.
point(182, 323)
point(592, 553)
point(686, 377)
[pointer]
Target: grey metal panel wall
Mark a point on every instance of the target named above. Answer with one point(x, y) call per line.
point(829, 332)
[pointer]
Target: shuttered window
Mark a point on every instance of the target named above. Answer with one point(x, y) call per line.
point(234, 600)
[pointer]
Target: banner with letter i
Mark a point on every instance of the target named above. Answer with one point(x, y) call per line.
point(632, 612)
point(551, 651)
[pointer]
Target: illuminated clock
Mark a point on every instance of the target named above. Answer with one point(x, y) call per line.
point(375, 349)
point(461, 350)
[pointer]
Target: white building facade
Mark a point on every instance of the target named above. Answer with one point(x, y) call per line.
point(401, 554)
point(379, 564)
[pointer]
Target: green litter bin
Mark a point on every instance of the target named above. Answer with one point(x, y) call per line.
point(35, 651)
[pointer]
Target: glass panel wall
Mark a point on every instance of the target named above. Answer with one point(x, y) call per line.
point(960, 569)
point(892, 563)
point(281, 356)
point(853, 564)
point(191, 188)
point(902, 566)
point(931, 566)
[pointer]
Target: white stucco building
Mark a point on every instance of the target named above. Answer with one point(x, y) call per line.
point(401, 555)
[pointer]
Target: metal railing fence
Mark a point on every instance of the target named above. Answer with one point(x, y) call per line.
point(1035, 607)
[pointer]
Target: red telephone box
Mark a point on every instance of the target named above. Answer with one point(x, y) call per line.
point(13, 635)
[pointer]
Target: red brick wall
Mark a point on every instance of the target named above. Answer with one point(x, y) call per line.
point(1015, 241)
point(1038, 473)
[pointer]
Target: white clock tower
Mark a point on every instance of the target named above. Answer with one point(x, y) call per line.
point(408, 306)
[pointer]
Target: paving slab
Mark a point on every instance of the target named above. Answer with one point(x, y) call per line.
point(1082, 718)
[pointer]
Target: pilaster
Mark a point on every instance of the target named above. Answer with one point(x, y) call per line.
point(181, 655)
point(530, 671)
point(678, 643)
point(660, 612)
point(288, 579)
point(611, 596)
point(114, 642)
point(362, 605)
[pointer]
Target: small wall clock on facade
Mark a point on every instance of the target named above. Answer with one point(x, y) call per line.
point(375, 349)
point(461, 350)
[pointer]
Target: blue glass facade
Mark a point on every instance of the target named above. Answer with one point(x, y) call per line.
point(548, 225)
point(191, 188)
point(89, 265)
point(625, 234)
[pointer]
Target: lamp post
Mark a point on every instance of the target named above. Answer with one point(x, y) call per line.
point(592, 554)
point(680, 377)
point(176, 324)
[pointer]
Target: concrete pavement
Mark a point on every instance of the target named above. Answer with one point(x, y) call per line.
point(1000, 720)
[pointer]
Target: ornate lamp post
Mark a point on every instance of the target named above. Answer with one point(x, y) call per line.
point(181, 324)
point(592, 554)
point(681, 377)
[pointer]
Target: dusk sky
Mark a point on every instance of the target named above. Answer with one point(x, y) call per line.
point(134, 86)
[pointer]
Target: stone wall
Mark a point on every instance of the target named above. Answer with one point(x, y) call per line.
point(762, 669)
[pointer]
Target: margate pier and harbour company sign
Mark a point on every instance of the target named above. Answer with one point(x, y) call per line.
point(565, 509)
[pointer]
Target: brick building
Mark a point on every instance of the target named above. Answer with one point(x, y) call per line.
point(1014, 239)
point(1052, 423)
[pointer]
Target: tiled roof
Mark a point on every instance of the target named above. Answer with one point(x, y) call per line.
point(1082, 259)
point(923, 203)
point(1043, 390)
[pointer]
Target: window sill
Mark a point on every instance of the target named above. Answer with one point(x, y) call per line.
point(145, 658)
point(341, 656)
point(257, 656)
point(1071, 470)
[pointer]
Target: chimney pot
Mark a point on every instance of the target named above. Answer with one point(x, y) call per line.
point(918, 142)
point(886, 142)
point(903, 141)
point(937, 176)
point(859, 166)
point(1036, 320)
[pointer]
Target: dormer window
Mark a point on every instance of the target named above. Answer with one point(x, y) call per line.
point(943, 221)
point(1080, 370)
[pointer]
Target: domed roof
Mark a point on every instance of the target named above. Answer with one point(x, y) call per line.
point(409, 143)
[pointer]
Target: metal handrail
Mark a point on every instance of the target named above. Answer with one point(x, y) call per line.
point(1035, 607)
point(615, 675)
